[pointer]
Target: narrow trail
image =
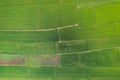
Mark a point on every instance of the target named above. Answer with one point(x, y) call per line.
point(41, 29)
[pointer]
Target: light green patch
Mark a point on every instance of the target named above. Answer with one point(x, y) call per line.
point(107, 42)
point(9, 56)
point(86, 17)
point(104, 31)
point(104, 14)
point(117, 29)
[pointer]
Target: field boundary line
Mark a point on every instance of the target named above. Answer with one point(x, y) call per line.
point(41, 29)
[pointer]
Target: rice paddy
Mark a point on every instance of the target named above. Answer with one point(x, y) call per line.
point(59, 40)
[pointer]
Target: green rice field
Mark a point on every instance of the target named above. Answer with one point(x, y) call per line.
point(59, 39)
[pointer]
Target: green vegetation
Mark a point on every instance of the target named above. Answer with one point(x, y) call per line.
point(86, 17)
point(39, 72)
point(59, 39)
point(69, 60)
point(73, 46)
point(13, 71)
point(43, 36)
point(100, 58)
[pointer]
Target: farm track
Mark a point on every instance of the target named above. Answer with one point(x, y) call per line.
point(74, 25)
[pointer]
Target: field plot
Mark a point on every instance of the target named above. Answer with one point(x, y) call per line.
point(35, 16)
point(12, 2)
point(29, 36)
point(73, 46)
point(105, 42)
point(100, 58)
point(69, 60)
point(104, 14)
point(104, 72)
point(117, 28)
point(12, 60)
point(13, 71)
point(43, 1)
point(28, 48)
point(68, 72)
point(18, 17)
point(49, 17)
point(86, 17)
point(73, 73)
point(76, 33)
point(44, 60)
point(54, 17)
point(68, 17)
point(41, 72)
point(89, 3)
point(105, 78)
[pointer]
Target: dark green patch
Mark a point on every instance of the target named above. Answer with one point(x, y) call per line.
point(44, 36)
point(100, 58)
point(13, 71)
point(73, 72)
point(73, 46)
point(69, 60)
point(41, 72)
